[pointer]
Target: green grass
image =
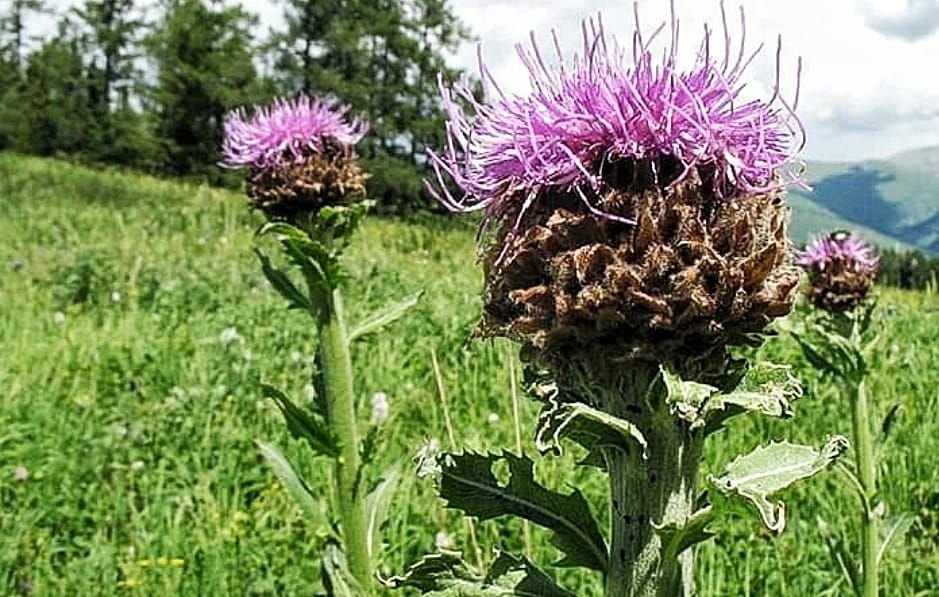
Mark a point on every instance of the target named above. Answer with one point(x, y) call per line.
point(136, 421)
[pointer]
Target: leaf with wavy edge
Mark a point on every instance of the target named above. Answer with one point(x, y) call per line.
point(766, 470)
point(591, 428)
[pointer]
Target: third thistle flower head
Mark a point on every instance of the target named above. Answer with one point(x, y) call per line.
point(635, 206)
point(299, 153)
point(841, 269)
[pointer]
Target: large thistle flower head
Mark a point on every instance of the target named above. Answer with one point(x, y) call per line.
point(842, 269)
point(299, 153)
point(636, 205)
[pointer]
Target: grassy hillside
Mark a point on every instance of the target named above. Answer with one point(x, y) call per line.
point(892, 202)
point(135, 328)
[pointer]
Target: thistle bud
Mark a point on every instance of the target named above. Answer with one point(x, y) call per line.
point(299, 154)
point(841, 269)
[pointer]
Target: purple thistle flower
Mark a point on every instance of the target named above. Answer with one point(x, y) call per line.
point(844, 248)
point(287, 131)
point(611, 104)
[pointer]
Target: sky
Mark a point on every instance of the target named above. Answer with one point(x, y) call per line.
point(870, 79)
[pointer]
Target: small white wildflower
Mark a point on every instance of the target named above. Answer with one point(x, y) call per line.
point(136, 465)
point(21, 473)
point(223, 240)
point(115, 297)
point(443, 541)
point(58, 318)
point(427, 465)
point(381, 408)
point(120, 431)
point(493, 418)
point(309, 391)
point(229, 335)
point(296, 356)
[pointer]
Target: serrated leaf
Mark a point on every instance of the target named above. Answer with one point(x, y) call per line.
point(282, 283)
point(384, 316)
point(468, 483)
point(766, 388)
point(337, 579)
point(894, 532)
point(377, 505)
point(445, 575)
point(308, 427)
point(292, 482)
point(318, 262)
point(766, 470)
point(591, 428)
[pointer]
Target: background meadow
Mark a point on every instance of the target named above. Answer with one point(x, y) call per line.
point(136, 328)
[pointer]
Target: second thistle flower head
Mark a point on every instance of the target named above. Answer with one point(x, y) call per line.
point(841, 269)
point(299, 154)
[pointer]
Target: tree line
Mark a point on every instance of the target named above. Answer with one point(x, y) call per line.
point(146, 86)
point(908, 269)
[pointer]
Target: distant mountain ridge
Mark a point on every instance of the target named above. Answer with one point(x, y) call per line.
point(892, 202)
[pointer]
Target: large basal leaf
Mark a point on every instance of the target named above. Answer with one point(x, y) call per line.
point(467, 483)
point(755, 477)
point(591, 428)
point(445, 575)
point(291, 481)
point(386, 315)
point(302, 425)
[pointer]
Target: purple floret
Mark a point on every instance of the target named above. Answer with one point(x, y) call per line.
point(287, 131)
point(841, 247)
point(611, 104)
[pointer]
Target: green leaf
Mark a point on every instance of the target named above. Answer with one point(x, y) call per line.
point(383, 317)
point(377, 505)
point(318, 262)
point(841, 556)
point(445, 575)
point(337, 579)
point(589, 427)
point(893, 532)
point(302, 425)
point(890, 420)
point(677, 539)
point(766, 470)
point(291, 481)
point(766, 388)
point(686, 398)
point(283, 284)
point(468, 483)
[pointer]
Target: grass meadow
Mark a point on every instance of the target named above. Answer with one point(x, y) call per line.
point(136, 328)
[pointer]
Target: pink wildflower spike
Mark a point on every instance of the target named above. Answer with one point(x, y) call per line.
point(607, 104)
point(287, 131)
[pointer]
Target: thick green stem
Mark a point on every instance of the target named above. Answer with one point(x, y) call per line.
point(867, 474)
point(659, 491)
point(336, 364)
point(651, 489)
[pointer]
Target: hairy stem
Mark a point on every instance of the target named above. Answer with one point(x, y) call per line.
point(650, 489)
point(336, 364)
point(867, 474)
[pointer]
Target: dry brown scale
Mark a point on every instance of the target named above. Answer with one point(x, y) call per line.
point(695, 274)
point(840, 288)
point(332, 177)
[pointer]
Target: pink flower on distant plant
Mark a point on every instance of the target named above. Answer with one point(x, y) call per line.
point(842, 247)
point(287, 131)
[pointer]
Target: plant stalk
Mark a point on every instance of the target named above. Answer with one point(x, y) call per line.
point(336, 364)
point(867, 474)
point(648, 492)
